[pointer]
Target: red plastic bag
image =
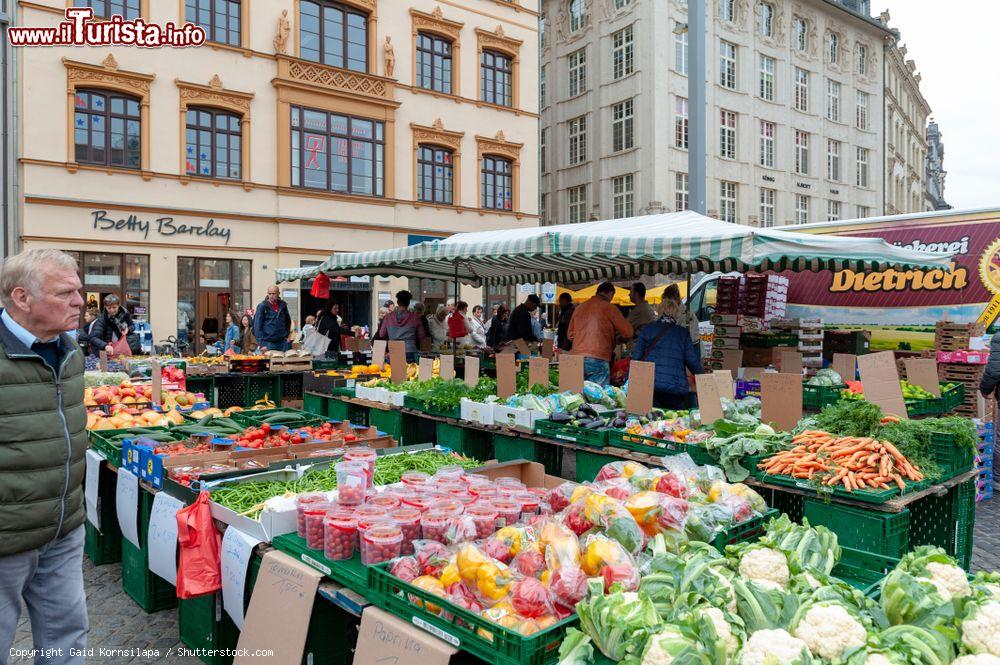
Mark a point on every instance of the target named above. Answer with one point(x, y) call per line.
point(199, 568)
point(120, 347)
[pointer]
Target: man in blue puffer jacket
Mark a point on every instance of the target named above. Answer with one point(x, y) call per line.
point(669, 346)
point(271, 323)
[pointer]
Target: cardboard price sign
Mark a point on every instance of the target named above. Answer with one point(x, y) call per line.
point(752, 373)
point(397, 360)
point(425, 344)
point(447, 369)
point(790, 362)
point(522, 347)
point(547, 347)
point(845, 364)
point(157, 381)
point(570, 373)
point(471, 371)
point(709, 400)
point(781, 400)
point(378, 352)
point(641, 376)
point(426, 370)
point(725, 380)
point(538, 372)
point(880, 380)
point(384, 639)
point(506, 375)
point(923, 372)
point(732, 359)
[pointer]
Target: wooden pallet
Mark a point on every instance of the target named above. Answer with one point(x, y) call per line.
point(296, 366)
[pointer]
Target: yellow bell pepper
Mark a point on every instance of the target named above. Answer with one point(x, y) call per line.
point(514, 536)
point(431, 584)
point(601, 552)
point(716, 491)
point(643, 506)
point(449, 575)
point(494, 580)
point(468, 561)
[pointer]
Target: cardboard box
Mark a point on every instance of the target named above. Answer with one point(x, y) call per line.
point(515, 418)
point(477, 412)
point(726, 342)
point(394, 397)
point(385, 639)
point(532, 474)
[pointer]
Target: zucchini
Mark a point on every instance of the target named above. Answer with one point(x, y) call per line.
point(283, 418)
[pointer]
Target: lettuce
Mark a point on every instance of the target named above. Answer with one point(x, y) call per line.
point(619, 623)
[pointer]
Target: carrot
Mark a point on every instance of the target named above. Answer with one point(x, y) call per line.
point(899, 481)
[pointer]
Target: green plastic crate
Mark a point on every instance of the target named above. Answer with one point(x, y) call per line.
point(204, 625)
point(588, 464)
point(265, 386)
point(951, 398)
point(865, 495)
point(255, 418)
point(786, 503)
point(867, 530)
point(150, 591)
point(338, 409)
point(816, 397)
point(567, 432)
point(471, 632)
point(661, 447)
point(318, 404)
point(473, 443)
point(508, 448)
point(946, 521)
point(104, 546)
point(424, 407)
point(100, 440)
point(550, 456)
point(750, 530)
point(952, 459)
point(389, 421)
point(863, 570)
point(350, 573)
point(202, 384)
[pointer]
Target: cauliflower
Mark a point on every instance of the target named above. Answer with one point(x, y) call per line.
point(722, 628)
point(829, 630)
point(662, 647)
point(765, 564)
point(730, 592)
point(981, 629)
point(877, 659)
point(949, 580)
point(774, 646)
point(977, 659)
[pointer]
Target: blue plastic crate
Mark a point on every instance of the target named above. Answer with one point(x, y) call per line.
point(986, 427)
point(987, 438)
point(984, 493)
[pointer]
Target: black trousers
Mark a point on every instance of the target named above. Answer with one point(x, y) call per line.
point(671, 401)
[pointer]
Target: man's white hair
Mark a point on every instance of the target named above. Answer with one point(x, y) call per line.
point(29, 270)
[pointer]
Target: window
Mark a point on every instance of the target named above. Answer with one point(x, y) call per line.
point(801, 209)
point(767, 197)
point(622, 4)
point(622, 196)
point(622, 131)
point(577, 198)
point(766, 78)
point(542, 103)
point(862, 58)
point(577, 140)
point(542, 34)
point(543, 152)
point(862, 212)
point(543, 201)
point(801, 90)
point(128, 9)
point(497, 183)
point(577, 15)
point(333, 34)
point(727, 10)
point(862, 175)
point(727, 201)
point(123, 275)
point(106, 129)
point(435, 175)
point(800, 34)
point(727, 134)
point(681, 53)
point(833, 48)
point(767, 144)
point(337, 153)
point(577, 72)
point(862, 110)
point(681, 192)
point(214, 144)
point(681, 124)
point(497, 78)
point(833, 160)
point(219, 18)
point(833, 211)
point(832, 100)
point(622, 53)
point(727, 65)
point(801, 152)
point(766, 17)
point(433, 63)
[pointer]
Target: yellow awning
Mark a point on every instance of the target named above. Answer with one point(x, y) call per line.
point(653, 296)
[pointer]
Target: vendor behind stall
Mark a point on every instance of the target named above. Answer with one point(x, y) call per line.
point(566, 309)
point(668, 344)
point(642, 312)
point(592, 331)
point(520, 326)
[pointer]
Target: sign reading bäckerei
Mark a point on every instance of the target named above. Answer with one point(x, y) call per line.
point(166, 227)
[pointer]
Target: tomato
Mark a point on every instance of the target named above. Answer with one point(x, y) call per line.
point(266, 427)
point(297, 439)
point(350, 437)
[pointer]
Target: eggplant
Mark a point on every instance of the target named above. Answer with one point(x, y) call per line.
point(560, 417)
point(604, 429)
point(618, 422)
point(594, 424)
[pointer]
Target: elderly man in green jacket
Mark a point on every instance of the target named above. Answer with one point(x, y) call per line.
point(43, 440)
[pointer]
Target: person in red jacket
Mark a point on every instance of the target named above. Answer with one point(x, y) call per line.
point(458, 324)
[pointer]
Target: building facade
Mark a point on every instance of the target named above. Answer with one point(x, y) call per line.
point(906, 113)
point(934, 171)
point(794, 103)
point(182, 178)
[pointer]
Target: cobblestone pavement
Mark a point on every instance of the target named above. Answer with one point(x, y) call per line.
point(116, 622)
point(986, 550)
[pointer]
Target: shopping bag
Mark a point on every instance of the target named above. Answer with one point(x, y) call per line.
point(120, 347)
point(199, 568)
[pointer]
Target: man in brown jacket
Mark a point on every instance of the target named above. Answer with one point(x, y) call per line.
point(592, 331)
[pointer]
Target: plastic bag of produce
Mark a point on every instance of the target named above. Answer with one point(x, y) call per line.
point(405, 568)
point(614, 520)
point(529, 563)
point(431, 556)
point(620, 469)
point(575, 519)
point(617, 488)
point(568, 586)
point(600, 551)
point(559, 497)
point(530, 598)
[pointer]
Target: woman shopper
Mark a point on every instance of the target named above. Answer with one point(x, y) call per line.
point(497, 335)
point(114, 323)
point(83, 336)
point(232, 334)
point(247, 343)
point(438, 325)
point(330, 326)
point(668, 344)
point(477, 328)
point(458, 324)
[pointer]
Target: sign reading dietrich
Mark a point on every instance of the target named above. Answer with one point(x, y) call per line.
point(163, 226)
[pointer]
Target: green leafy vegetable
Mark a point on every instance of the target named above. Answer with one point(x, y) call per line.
point(576, 649)
point(619, 623)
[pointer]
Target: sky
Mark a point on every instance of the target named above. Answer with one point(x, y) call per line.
point(953, 45)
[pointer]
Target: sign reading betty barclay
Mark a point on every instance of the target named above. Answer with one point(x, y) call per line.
point(166, 227)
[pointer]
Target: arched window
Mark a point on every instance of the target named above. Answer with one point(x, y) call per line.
point(214, 143)
point(497, 78)
point(577, 14)
point(766, 19)
point(497, 183)
point(106, 129)
point(435, 174)
point(333, 34)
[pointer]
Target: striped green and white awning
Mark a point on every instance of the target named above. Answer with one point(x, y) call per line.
point(676, 243)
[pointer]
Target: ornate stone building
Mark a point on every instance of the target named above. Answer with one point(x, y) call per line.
point(794, 110)
point(906, 113)
point(935, 173)
point(182, 178)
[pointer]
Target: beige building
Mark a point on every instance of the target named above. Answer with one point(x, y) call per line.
point(794, 97)
point(183, 178)
point(906, 114)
